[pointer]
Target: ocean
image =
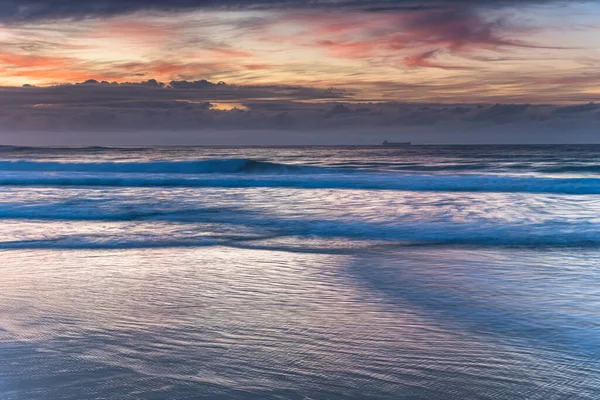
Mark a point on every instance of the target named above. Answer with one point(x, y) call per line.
point(425, 272)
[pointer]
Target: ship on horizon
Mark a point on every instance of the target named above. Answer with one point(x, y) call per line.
point(395, 144)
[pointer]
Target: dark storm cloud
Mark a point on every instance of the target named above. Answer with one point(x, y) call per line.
point(23, 10)
point(142, 113)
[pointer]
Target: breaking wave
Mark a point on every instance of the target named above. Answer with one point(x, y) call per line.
point(213, 223)
point(359, 181)
point(346, 236)
point(224, 166)
point(244, 173)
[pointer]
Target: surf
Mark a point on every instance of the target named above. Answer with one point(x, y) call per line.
point(211, 166)
point(259, 177)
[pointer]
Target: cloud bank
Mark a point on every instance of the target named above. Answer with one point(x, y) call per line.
point(203, 112)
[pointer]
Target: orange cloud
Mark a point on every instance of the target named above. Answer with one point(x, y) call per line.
point(348, 50)
point(256, 67)
point(225, 51)
point(19, 60)
point(60, 75)
point(48, 68)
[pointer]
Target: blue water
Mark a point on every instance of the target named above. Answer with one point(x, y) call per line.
point(426, 272)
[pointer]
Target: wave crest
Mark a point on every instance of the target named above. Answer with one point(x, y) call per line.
point(364, 181)
point(224, 166)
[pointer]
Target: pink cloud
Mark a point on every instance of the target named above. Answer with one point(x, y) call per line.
point(417, 37)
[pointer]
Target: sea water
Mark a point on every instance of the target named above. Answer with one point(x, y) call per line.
point(423, 272)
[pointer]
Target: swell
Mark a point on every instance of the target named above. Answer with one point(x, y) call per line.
point(72, 149)
point(363, 181)
point(212, 224)
point(594, 168)
point(68, 212)
point(246, 165)
point(224, 166)
point(334, 248)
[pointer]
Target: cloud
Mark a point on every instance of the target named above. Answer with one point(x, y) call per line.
point(458, 31)
point(26, 10)
point(93, 93)
point(32, 61)
point(141, 113)
point(427, 59)
point(434, 44)
point(54, 68)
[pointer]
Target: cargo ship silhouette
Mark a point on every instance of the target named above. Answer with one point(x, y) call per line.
point(395, 144)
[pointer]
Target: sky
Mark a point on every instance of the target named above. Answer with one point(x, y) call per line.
point(299, 71)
